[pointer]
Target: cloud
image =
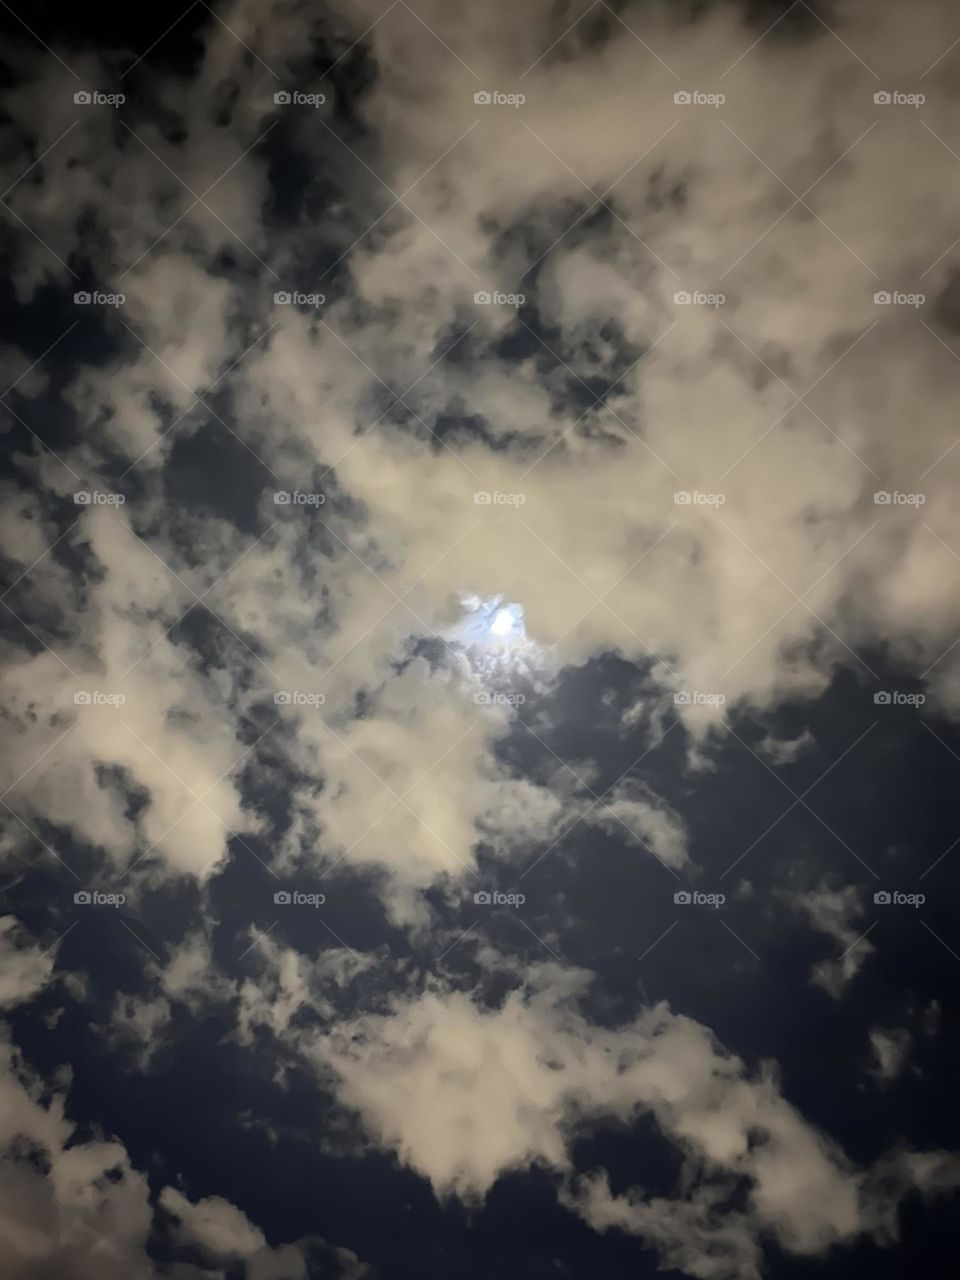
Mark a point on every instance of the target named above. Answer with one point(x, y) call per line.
point(708, 593)
point(141, 707)
point(142, 1023)
point(214, 1225)
point(593, 407)
point(75, 1208)
point(891, 1049)
point(464, 1093)
point(697, 1236)
point(832, 912)
point(289, 981)
point(222, 1233)
point(645, 820)
point(89, 1215)
point(25, 968)
point(781, 751)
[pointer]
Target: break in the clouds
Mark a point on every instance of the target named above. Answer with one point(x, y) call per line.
point(479, 654)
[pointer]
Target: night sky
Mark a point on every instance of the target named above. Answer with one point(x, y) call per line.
point(480, 640)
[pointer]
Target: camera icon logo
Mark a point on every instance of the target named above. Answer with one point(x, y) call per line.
point(682, 698)
point(82, 98)
point(482, 699)
point(882, 298)
point(81, 898)
point(482, 298)
point(81, 698)
point(81, 299)
point(281, 298)
point(482, 899)
point(882, 698)
point(882, 498)
point(681, 897)
point(81, 499)
point(281, 498)
point(682, 98)
point(482, 98)
point(282, 898)
point(282, 698)
point(881, 898)
point(682, 298)
point(282, 98)
point(682, 499)
point(882, 98)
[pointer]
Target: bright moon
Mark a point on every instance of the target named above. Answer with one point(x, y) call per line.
point(503, 623)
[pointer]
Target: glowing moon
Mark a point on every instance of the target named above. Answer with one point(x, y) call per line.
point(503, 623)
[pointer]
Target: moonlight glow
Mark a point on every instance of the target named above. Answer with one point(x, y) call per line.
point(502, 623)
point(492, 638)
point(490, 624)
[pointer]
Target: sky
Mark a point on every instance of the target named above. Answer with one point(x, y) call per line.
point(480, 659)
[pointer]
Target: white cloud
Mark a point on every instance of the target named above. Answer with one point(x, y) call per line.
point(140, 1022)
point(782, 751)
point(695, 1236)
point(891, 1049)
point(397, 774)
point(464, 1093)
point(89, 1217)
point(833, 912)
point(25, 967)
point(709, 590)
point(289, 981)
point(75, 1208)
point(636, 815)
point(213, 1224)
